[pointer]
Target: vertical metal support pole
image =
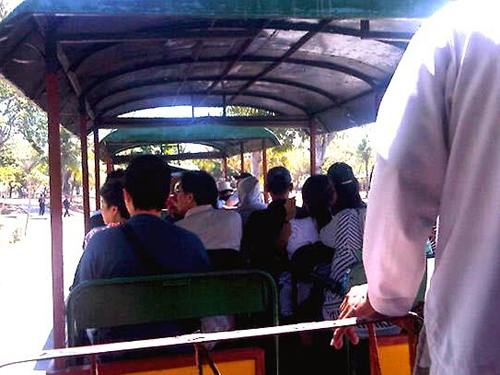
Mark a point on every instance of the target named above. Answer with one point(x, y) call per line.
point(224, 106)
point(54, 138)
point(224, 161)
point(379, 95)
point(85, 171)
point(264, 169)
point(97, 169)
point(93, 365)
point(242, 158)
point(109, 164)
point(199, 360)
point(312, 132)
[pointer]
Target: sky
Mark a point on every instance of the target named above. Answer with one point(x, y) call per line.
point(11, 4)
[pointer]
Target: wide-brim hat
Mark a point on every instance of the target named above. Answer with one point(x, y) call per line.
point(224, 186)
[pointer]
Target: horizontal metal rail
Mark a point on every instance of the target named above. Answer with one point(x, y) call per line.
point(201, 338)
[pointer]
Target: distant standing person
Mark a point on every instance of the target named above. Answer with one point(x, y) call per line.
point(66, 207)
point(41, 205)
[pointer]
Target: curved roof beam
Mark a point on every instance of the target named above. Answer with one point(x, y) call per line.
point(189, 60)
point(246, 24)
point(283, 58)
point(158, 82)
point(256, 94)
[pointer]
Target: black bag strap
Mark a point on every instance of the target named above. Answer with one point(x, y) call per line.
point(144, 256)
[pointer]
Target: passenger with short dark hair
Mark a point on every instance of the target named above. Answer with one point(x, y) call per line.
point(197, 201)
point(114, 211)
point(96, 220)
point(262, 243)
point(144, 245)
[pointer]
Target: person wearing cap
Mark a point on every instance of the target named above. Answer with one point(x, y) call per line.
point(225, 192)
point(346, 188)
point(262, 238)
point(197, 202)
point(249, 194)
point(344, 232)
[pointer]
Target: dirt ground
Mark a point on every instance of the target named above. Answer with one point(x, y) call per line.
point(25, 280)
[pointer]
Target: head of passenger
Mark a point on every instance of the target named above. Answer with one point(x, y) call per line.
point(249, 191)
point(279, 183)
point(196, 188)
point(147, 185)
point(317, 195)
point(171, 205)
point(241, 177)
point(113, 205)
point(119, 174)
point(225, 190)
point(346, 188)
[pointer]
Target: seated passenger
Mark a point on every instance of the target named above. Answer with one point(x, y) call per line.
point(113, 211)
point(317, 195)
point(225, 192)
point(197, 201)
point(96, 220)
point(144, 245)
point(234, 199)
point(344, 233)
point(249, 198)
point(172, 214)
point(264, 236)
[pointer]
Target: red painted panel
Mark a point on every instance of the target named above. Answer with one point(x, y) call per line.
point(85, 171)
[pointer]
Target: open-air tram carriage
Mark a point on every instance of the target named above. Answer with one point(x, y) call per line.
point(319, 66)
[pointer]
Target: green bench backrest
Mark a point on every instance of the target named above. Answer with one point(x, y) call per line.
point(127, 301)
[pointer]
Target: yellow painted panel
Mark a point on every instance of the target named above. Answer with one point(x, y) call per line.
point(394, 359)
point(243, 367)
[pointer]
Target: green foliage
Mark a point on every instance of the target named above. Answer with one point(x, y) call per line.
point(364, 154)
point(24, 170)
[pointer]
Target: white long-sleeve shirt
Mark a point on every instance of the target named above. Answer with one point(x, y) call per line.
point(217, 229)
point(439, 154)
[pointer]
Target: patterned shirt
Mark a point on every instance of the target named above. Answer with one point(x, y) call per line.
point(344, 234)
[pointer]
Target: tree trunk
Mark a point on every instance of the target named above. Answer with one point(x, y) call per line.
point(256, 163)
point(322, 144)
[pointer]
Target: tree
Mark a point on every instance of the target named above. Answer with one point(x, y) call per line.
point(9, 112)
point(70, 161)
point(33, 126)
point(364, 155)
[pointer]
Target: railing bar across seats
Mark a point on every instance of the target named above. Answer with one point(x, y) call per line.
point(201, 338)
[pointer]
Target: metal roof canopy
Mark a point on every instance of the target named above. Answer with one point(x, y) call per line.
point(303, 59)
point(228, 141)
